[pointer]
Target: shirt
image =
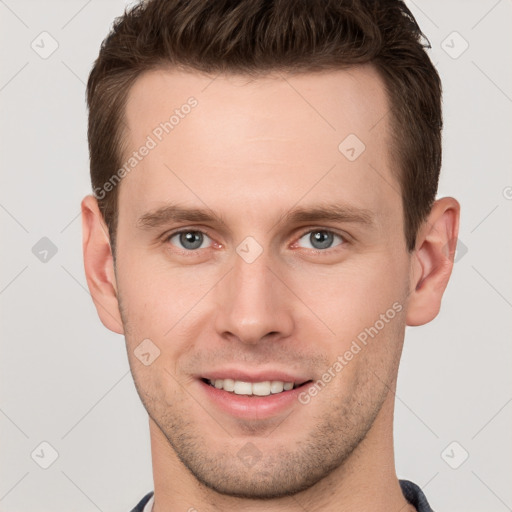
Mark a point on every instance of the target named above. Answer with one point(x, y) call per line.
point(412, 493)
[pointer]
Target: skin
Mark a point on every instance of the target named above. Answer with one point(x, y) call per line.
point(249, 153)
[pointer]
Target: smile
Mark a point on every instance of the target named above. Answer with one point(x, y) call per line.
point(263, 388)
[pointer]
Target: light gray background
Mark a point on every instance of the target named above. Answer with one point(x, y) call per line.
point(65, 379)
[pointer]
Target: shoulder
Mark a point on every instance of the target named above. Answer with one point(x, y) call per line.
point(414, 495)
point(142, 503)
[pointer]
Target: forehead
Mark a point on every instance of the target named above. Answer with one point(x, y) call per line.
point(257, 140)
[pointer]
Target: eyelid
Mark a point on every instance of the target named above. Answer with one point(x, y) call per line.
point(184, 229)
point(166, 237)
point(343, 236)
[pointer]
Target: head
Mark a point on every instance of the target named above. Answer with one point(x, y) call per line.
point(265, 178)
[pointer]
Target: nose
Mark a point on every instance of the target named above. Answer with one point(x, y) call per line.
point(254, 305)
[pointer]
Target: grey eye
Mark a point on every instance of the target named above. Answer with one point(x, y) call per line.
point(190, 240)
point(320, 239)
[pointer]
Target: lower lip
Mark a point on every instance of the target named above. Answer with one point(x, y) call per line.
point(252, 407)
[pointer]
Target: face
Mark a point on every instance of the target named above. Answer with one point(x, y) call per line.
point(251, 247)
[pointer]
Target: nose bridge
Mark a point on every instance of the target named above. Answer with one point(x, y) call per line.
point(252, 282)
point(252, 304)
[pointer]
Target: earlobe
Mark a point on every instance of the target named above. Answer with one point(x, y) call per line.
point(432, 261)
point(99, 265)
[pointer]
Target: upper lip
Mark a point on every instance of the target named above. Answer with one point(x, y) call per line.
point(259, 376)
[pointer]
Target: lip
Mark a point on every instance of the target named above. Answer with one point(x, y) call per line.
point(251, 407)
point(260, 376)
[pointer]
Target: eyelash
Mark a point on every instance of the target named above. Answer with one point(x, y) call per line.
point(168, 237)
point(330, 231)
point(344, 238)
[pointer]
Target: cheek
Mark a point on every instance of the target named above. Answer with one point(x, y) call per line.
point(352, 296)
point(156, 295)
point(167, 306)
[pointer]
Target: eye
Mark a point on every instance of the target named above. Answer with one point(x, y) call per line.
point(320, 239)
point(190, 240)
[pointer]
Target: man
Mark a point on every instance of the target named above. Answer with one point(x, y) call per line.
point(263, 228)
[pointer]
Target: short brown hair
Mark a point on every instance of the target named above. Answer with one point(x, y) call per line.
point(257, 36)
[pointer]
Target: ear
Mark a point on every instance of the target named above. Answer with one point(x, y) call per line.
point(99, 265)
point(432, 261)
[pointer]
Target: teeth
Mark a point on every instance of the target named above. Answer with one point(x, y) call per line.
point(243, 388)
point(240, 387)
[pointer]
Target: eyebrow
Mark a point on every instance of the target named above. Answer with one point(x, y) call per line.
point(332, 212)
point(174, 213)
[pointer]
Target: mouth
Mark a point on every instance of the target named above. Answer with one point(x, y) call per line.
point(253, 395)
point(254, 389)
